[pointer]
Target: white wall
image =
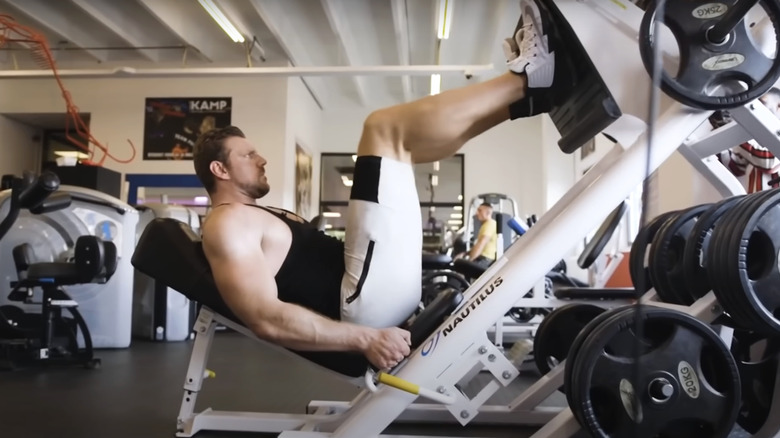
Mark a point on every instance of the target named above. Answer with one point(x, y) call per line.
point(505, 159)
point(304, 127)
point(20, 147)
point(116, 106)
point(558, 170)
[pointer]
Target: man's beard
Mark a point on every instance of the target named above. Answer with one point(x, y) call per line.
point(256, 190)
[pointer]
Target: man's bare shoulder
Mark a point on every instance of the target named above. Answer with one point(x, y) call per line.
point(231, 224)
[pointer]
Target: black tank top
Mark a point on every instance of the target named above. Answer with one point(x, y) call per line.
point(311, 273)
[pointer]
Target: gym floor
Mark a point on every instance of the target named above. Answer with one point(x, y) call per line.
point(137, 393)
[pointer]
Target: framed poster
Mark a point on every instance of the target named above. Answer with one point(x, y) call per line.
point(303, 171)
point(172, 125)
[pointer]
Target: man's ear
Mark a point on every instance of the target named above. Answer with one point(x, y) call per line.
point(219, 170)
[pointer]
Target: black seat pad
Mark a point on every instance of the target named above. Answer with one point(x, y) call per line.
point(585, 293)
point(434, 314)
point(170, 252)
point(431, 261)
point(468, 268)
point(57, 273)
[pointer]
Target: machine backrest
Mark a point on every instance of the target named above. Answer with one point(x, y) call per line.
point(90, 256)
point(171, 253)
point(109, 267)
point(23, 256)
point(596, 245)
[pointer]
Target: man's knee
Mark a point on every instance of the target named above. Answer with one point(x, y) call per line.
point(381, 123)
point(382, 135)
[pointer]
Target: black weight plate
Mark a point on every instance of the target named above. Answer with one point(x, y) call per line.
point(568, 371)
point(689, 385)
point(557, 332)
point(725, 286)
point(637, 259)
point(694, 254)
point(741, 311)
point(666, 253)
point(757, 361)
point(704, 65)
point(756, 269)
point(716, 252)
point(435, 282)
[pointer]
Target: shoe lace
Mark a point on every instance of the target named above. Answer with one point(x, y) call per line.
point(528, 43)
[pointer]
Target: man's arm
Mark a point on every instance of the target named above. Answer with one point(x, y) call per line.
point(479, 246)
point(486, 232)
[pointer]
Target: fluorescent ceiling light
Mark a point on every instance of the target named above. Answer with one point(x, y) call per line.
point(331, 214)
point(456, 215)
point(435, 166)
point(346, 181)
point(454, 222)
point(354, 158)
point(435, 84)
point(222, 20)
point(73, 154)
point(328, 226)
point(201, 199)
point(434, 180)
point(458, 208)
point(445, 19)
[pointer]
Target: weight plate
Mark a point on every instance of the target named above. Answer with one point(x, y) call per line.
point(757, 361)
point(725, 286)
point(557, 332)
point(433, 283)
point(665, 260)
point(721, 283)
point(689, 385)
point(569, 371)
point(637, 259)
point(704, 65)
point(694, 254)
point(752, 263)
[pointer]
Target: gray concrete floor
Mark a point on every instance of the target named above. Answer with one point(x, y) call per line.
point(137, 393)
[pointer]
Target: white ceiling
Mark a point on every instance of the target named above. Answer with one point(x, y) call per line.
point(100, 34)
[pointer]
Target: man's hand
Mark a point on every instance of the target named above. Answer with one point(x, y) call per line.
point(387, 347)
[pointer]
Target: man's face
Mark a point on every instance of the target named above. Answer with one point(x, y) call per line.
point(246, 167)
point(484, 213)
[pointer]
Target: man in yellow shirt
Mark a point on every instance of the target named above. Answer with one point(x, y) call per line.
point(484, 250)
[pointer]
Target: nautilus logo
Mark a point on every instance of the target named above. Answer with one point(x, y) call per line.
point(430, 346)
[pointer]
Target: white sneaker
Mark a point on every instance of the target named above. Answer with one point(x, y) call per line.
point(529, 52)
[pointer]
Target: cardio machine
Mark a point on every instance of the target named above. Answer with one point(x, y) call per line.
point(51, 336)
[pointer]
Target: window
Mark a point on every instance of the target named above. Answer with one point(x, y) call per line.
point(439, 187)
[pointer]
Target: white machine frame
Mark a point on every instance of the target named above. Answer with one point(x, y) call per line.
point(460, 349)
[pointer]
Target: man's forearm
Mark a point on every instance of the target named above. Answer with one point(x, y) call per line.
point(298, 328)
point(477, 249)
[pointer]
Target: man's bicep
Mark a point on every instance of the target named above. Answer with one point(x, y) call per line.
point(243, 279)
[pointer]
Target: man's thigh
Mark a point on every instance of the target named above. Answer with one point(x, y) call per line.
point(383, 244)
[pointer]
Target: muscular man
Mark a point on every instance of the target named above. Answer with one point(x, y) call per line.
point(293, 285)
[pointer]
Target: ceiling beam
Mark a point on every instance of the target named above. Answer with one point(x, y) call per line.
point(288, 36)
point(42, 12)
point(112, 19)
point(336, 12)
point(401, 26)
point(170, 15)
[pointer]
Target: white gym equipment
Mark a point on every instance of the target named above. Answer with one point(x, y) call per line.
point(460, 349)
